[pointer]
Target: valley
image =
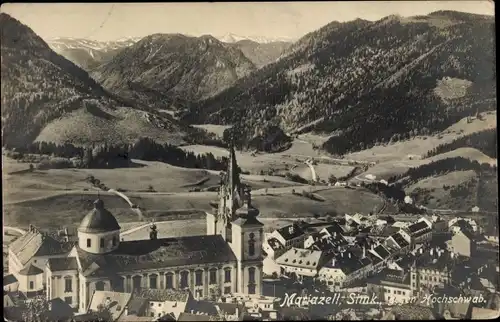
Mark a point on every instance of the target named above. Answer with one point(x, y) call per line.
point(312, 132)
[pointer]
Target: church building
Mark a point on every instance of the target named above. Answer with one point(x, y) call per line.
point(227, 260)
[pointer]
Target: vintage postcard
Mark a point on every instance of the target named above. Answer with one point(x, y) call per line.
point(249, 161)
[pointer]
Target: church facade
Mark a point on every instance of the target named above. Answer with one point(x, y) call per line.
point(227, 260)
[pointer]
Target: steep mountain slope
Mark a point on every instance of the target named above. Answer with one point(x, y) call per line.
point(45, 94)
point(367, 82)
point(262, 54)
point(88, 53)
point(172, 65)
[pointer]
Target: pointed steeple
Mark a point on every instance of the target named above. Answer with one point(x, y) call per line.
point(233, 170)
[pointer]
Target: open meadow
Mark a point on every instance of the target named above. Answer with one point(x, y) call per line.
point(69, 207)
point(420, 145)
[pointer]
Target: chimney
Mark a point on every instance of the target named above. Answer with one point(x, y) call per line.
point(349, 254)
point(125, 311)
point(432, 251)
point(364, 252)
point(334, 234)
point(333, 262)
point(237, 311)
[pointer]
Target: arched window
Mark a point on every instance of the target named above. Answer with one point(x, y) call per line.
point(212, 276)
point(251, 244)
point(227, 275)
point(169, 281)
point(251, 280)
point(68, 284)
point(153, 280)
point(136, 282)
point(184, 279)
point(99, 286)
point(198, 278)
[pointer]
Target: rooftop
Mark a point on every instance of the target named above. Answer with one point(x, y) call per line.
point(36, 243)
point(382, 251)
point(30, 270)
point(98, 220)
point(301, 258)
point(163, 295)
point(115, 301)
point(159, 253)
point(291, 231)
point(399, 239)
point(418, 226)
point(63, 264)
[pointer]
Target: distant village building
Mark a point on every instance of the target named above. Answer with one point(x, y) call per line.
point(226, 260)
point(475, 209)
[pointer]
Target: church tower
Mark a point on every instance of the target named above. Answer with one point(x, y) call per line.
point(246, 243)
point(230, 198)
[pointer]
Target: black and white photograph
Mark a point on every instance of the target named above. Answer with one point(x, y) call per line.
point(249, 161)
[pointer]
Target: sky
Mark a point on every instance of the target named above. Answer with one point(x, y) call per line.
point(292, 20)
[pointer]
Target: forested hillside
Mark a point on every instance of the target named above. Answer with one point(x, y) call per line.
point(165, 70)
point(484, 141)
point(386, 76)
point(45, 97)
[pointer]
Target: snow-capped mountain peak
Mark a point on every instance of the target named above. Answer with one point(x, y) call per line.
point(232, 38)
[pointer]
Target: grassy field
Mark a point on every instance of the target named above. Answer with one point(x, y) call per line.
point(432, 193)
point(323, 171)
point(385, 170)
point(177, 228)
point(69, 208)
point(160, 176)
point(421, 145)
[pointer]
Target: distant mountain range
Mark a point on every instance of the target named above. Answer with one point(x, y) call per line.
point(232, 38)
point(366, 82)
point(89, 53)
point(165, 68)
point(45, 97)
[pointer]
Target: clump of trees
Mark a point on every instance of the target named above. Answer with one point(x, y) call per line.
point(120, 155)
point(484, 141)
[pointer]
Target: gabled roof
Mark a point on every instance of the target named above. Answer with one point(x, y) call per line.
point(62, 264)
point(195, 317)
point(35, 243)
point(298, 257)
point(9, 279)
point(418, 226)
point(115, 301)
point(290, 232)
point(159, 253)
point(30, 270)
point(137, 305)
point(399, 239)
point(163, 295)
point(382, 251)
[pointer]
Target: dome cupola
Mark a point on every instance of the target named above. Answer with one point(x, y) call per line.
point(99, 232)
point(99, 220)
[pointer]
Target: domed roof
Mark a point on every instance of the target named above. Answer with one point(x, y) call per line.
point(98, 220)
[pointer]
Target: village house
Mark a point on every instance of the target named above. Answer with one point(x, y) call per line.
point(420, 232)
point(290, 236)
point(431, 269)
point(399, 243)
point(301, 262)
point(463, 243)
point(391, 286)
